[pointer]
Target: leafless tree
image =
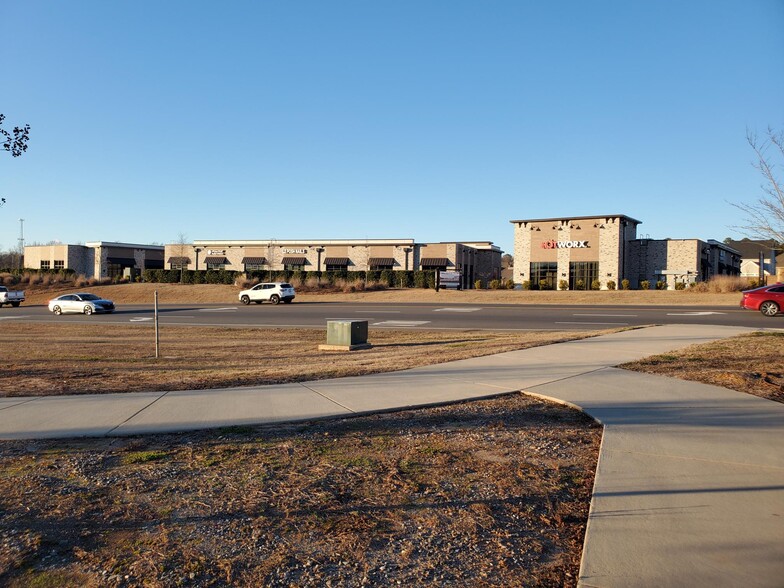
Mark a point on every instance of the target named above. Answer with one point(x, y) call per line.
point(764, 218)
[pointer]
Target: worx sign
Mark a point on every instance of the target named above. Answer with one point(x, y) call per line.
point(565, 244)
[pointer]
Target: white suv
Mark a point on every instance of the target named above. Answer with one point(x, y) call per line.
point(274, 292)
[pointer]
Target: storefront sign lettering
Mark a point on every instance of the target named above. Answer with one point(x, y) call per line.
point(290, 251)
point(565, 245)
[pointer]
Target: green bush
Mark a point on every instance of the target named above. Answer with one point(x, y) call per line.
point(579, 285)
point(544, 285)
point(478, 285)
point(661, 285)
point(596, 285)
point(680, 286)
point(563, 285)
point(645, 285)
point(610, 284)
point(626, 284)
point(387, 277)
point(526, 285)
point(509, 284)
point(495, 284)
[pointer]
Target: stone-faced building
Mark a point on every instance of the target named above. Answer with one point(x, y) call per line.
point(97, 259)
point(584, 249)
point(475, 260)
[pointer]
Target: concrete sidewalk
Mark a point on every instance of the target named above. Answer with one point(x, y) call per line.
point(690, 484)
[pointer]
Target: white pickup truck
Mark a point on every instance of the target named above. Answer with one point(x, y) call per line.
point(12, 297)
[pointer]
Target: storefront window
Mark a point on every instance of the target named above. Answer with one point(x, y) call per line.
point(59, 264)
point(45, 265)
point(294, 267)
point(543, 275)
point(582, 274)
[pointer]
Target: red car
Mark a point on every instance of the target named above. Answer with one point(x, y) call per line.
point(769, 300)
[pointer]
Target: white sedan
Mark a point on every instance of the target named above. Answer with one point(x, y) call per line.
point(82, 302)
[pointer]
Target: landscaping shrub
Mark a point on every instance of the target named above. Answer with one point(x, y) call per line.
point(478, 285)
point(526, 285)
point(579, 285)
point(495, 284)
point(680, 285)
point(611, 284)
point(596, 285)
point(645, 285)
point(509, 284)
point(625, 284)
point(563, 285)
point(661, 285)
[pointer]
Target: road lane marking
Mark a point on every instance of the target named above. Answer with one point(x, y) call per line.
point(226, 309)
point(585, 323)
point(606, 315)
point(10, 318)
point(140, 319)
point(705, 313)
point(400, 323)
point(457, 309)
point(378, 312)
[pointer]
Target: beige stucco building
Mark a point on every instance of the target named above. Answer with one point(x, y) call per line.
point(580, 250)
point(97, 259)
point(476, 259)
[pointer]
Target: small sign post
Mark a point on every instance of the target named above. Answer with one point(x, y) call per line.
point(157, 344)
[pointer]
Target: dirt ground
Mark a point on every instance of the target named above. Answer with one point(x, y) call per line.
point(222, 294)
point(487, 493)
point(41, 359)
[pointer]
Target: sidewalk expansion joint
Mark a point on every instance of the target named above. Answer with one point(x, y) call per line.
point(21, 403)
point(134, 415)
point(332, 400)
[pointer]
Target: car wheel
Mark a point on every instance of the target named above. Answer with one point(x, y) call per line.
point(769, 308)
point(88, 310)
point(245, 299)
point(57, 310)
point(275, 299)
point(15, 304)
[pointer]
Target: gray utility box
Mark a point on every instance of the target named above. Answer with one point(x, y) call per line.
point(347, 333)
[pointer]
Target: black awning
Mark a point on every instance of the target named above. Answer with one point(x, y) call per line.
point(218, 259)
point(126, 261)
point(179, 260)
point(294, 260)
point(434, 262)
point(254, 260)
point(381, 261)
point(337, 261)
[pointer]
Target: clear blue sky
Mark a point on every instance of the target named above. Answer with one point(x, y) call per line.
point(433, 120)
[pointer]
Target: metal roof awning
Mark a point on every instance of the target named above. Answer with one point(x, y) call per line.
point(254, 260)
point(381, 261)
point(129, 261)
point(337, 261)
point(294, 260)
point(179, 260)
point(216, 259)
point(434, 262)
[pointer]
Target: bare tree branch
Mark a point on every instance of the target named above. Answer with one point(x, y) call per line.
point(16, 141)
point(764, 218)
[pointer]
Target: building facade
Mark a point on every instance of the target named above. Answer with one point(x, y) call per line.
point(577, 252)
point(97, 259)
point(475, 260)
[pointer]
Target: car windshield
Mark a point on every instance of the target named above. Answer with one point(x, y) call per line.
point(88, 297)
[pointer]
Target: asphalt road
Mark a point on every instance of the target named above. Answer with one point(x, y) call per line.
point(413, 316)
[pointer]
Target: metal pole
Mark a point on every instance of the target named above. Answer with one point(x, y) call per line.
point(157, 339)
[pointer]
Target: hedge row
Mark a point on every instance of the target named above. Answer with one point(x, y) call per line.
point(401, 279)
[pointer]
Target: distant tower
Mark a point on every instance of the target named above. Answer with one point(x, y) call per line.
point(21, 242)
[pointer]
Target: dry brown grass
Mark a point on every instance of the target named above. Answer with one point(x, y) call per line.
point(488, 493)
point(751, 363)
point(223, 294)
point(48, 359)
